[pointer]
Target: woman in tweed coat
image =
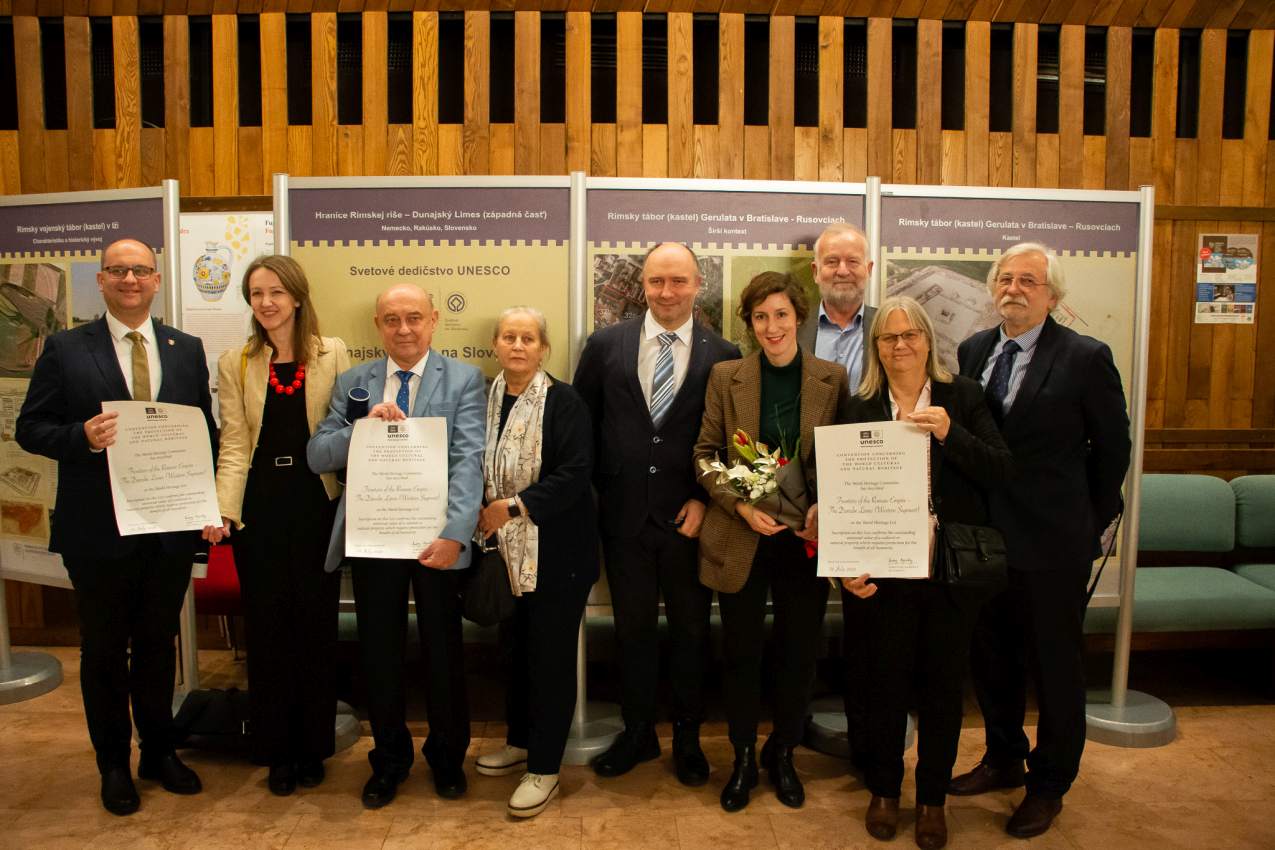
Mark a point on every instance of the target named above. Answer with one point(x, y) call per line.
point(776, 396)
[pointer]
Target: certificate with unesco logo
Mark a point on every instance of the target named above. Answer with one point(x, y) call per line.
point(396, 487)
point(161, 468)
point(873, 500)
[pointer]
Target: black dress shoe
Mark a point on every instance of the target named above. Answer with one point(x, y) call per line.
point(688, 758)
point(984, 778)
point(783, 776)
point(381, 789)
point(310, 774)
point(170, 772)
point(1033, 816)
point(282, 780)
point(450, 782)
point(634, 746)
point(743, 778)
point(119, 794)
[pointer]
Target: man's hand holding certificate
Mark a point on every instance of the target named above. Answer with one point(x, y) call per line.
point(396, 499)
point(161, 468)
point(873, 500)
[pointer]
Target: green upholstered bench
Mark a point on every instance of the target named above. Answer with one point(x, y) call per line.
point(1255, 528)
point(1193, 516)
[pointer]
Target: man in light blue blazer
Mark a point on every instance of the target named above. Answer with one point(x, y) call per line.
point(413, 380)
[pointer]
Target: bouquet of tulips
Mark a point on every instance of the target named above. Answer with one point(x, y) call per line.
point(769, 479)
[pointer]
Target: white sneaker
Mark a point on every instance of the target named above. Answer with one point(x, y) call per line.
point(533, 793)
point(504, 761)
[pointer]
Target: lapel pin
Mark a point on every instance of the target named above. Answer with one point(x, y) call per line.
point(170, 342)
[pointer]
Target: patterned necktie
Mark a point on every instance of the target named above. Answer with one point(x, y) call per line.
point(404, 387)
point(998, 383)
point(662, 381)
point(141, 367)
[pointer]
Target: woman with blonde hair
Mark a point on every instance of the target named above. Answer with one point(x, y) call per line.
point(918, 630)
point(272, 393)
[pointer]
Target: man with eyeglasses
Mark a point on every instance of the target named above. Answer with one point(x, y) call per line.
point(1059, 402)
point(836, 332)
point(128, 590)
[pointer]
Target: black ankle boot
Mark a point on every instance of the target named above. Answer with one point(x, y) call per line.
point(742, 779)
point(784, 777)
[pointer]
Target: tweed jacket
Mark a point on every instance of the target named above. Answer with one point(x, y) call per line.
point(733, 400)
point(241, 399)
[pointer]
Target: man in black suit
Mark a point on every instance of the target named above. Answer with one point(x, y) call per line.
point(644, 381)
point(1061, 408)
point(128, 590)
point(836, 332)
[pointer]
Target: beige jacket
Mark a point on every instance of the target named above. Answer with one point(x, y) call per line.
point(733, 400)
point(241, 397)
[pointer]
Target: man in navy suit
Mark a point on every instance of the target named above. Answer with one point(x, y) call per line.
point(644, 382)
point(128, 590)
point(1061, 408)
point(417, 381)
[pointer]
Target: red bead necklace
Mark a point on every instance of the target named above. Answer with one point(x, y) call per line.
point(287, 389)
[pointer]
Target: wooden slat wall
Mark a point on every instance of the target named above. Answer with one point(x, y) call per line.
point(1199, 375)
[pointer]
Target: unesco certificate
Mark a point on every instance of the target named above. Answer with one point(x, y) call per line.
point(396, 487)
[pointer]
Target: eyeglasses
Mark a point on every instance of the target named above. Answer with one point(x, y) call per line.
point(121, 272)
point(911, 337)
point(1024, 281)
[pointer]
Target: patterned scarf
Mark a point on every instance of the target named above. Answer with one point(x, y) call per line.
point(510, 465)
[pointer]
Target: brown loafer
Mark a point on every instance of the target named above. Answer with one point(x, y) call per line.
point(883, 817)
point(931, 827)
point(984, 778)
point(1033, 816)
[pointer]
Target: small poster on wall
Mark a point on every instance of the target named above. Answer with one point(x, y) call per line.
point(1226, 279)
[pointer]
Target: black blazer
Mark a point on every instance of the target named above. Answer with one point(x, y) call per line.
point(1069, 431)
point(77, 371)
point(560, 503)
point(641, 472)
point(970, 463)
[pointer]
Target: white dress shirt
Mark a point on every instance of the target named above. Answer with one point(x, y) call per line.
point(124, 351)
point(649, 351)
point(390, 395)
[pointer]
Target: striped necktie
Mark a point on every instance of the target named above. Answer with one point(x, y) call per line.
point(662, 384)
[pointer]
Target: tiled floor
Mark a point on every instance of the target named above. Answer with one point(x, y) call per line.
point(1214, 787)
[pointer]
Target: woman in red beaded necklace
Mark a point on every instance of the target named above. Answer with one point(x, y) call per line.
point(272, 395)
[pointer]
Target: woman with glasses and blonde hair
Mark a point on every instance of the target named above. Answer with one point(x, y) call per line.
point(918, 630)
point(272, 394)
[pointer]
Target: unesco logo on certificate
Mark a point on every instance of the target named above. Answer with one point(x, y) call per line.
point(870, 437)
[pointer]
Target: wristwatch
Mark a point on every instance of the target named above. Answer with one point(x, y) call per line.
point(514, 510)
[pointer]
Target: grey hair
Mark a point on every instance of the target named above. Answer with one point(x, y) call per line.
point(838, 228)
point(1054, 276)
point(873, 372)
point(522, 309)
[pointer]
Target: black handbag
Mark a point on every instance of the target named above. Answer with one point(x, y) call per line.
point(971, 556)
point(487, 598)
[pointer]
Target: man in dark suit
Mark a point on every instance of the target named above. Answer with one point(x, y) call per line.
point(836, 332)
point(644, 381)
point(1061, 408)
point(128, 590)
point(412, 380)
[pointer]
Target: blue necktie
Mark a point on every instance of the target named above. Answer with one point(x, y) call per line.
point(662, 381)
point(404, 387)
point(998, 383)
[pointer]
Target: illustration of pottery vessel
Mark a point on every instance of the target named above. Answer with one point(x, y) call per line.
point(212, 271)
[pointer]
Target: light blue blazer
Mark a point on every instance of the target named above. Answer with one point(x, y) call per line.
point(450, 389)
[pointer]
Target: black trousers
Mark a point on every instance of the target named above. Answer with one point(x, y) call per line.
point(290, 614)
point(1035, 626)
point(129, 614)
point(658, 560)
point(854, 636)
point(539, 647)
point(781, 568)
point(380, 596)
point(917, 651)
